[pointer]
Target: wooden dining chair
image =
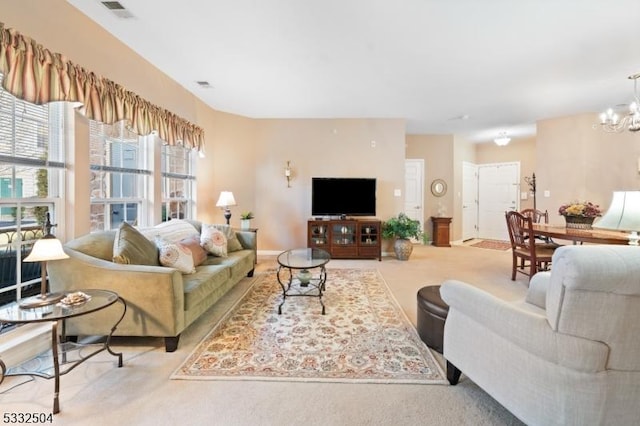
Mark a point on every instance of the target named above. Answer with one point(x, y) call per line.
point(533, 257)
point(537, 216)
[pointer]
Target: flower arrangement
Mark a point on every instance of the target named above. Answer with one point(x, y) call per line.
point(580, 209)
point(246, 216)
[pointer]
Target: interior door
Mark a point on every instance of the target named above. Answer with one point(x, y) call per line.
point(414, 189)
point(498, 189)
point(469, 201)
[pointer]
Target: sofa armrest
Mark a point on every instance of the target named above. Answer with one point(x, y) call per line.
point(528, 330)
point(248, 239)
point(537, 293)
point(155, 292)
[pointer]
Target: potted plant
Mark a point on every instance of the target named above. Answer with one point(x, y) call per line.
point(580, 214)
point(245, 220)
point(402, 228)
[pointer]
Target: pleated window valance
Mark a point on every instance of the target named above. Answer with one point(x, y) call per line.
point(37, 75)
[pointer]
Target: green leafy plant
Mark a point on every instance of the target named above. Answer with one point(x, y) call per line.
point(402, 227)
point(246, 215)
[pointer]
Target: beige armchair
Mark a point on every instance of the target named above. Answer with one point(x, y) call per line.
point(569, 354)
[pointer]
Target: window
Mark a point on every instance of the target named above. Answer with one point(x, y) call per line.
point(178, 183)
point(120, 176)
point(31, 184)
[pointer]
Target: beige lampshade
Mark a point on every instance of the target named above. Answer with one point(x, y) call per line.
point(226, 199)
point(623, 213)
point(45, 249)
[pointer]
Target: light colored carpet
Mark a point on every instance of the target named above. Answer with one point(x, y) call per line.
point(141, 393)
point(363, 337)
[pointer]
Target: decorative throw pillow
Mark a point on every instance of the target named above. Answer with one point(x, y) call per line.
point(131, 247)
point(233, 244)
point(197, 252)
point(172, 230)
point(213, 240)
point(175, 255)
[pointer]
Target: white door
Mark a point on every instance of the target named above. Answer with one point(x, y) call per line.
point(498, 189)
point(469, 201)
point(414, 189)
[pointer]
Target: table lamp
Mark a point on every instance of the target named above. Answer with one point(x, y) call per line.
point(45, 249)
point(226, 199)
point(623, 214)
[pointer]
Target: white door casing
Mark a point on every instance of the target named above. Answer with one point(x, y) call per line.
point(414, 189)
point(498, 189)
point(469, 201)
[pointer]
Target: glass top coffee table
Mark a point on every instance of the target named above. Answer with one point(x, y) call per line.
point(295, 275)
point(72, 354)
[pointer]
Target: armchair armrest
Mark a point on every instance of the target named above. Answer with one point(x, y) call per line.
point(537, 293)
point(528, 330)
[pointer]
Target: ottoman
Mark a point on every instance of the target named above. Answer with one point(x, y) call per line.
point(432, 313)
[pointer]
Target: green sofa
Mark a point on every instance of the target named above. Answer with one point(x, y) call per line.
point(161, 301)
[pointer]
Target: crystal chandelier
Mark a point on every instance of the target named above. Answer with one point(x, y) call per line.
point(611, 120)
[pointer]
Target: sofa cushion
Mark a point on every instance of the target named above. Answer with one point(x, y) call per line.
point(213, 240)
point(198, 254)
point(237, 262)
point(203, 282)
point(131, 247)
point(175, 255)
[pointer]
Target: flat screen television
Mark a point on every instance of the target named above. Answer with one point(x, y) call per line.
point(333, 196)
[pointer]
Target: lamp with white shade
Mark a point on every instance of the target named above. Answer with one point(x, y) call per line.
point(225, 200)
point(623, 214)
point(44, 250)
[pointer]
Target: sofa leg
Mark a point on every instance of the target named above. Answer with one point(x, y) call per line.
point(171, 343)
point(250, 273)
point(453, 374)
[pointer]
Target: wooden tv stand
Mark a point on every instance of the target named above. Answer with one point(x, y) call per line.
point(348, 238)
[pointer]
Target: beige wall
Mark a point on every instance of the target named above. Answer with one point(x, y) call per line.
point(571, 159)
point(321, 148)
point(576, 161)
point(437, 151)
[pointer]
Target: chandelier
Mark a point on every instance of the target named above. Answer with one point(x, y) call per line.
point(611, 120)
point(502, 139)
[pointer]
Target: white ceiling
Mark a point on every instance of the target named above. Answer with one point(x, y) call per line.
point(503, 64)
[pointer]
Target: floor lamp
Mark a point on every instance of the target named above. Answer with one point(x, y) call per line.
point(45, 249)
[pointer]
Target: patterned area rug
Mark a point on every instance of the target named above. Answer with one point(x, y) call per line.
point(364, 337)
point(493, 244)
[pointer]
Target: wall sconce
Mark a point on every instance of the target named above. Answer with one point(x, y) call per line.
point(287, 174)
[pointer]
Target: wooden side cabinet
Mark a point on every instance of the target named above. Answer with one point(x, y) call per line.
point(347, 239)
point(441, 231)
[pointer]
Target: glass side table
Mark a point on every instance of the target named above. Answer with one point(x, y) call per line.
point(65, 355)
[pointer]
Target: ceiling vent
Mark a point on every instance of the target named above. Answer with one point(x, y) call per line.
point(204, 84)
point(118, 9)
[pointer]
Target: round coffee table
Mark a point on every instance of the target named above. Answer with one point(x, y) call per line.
point(302, 282)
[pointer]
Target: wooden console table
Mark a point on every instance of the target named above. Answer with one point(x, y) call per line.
point(441, 231)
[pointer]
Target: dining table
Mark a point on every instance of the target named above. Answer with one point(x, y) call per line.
point(596, 236)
